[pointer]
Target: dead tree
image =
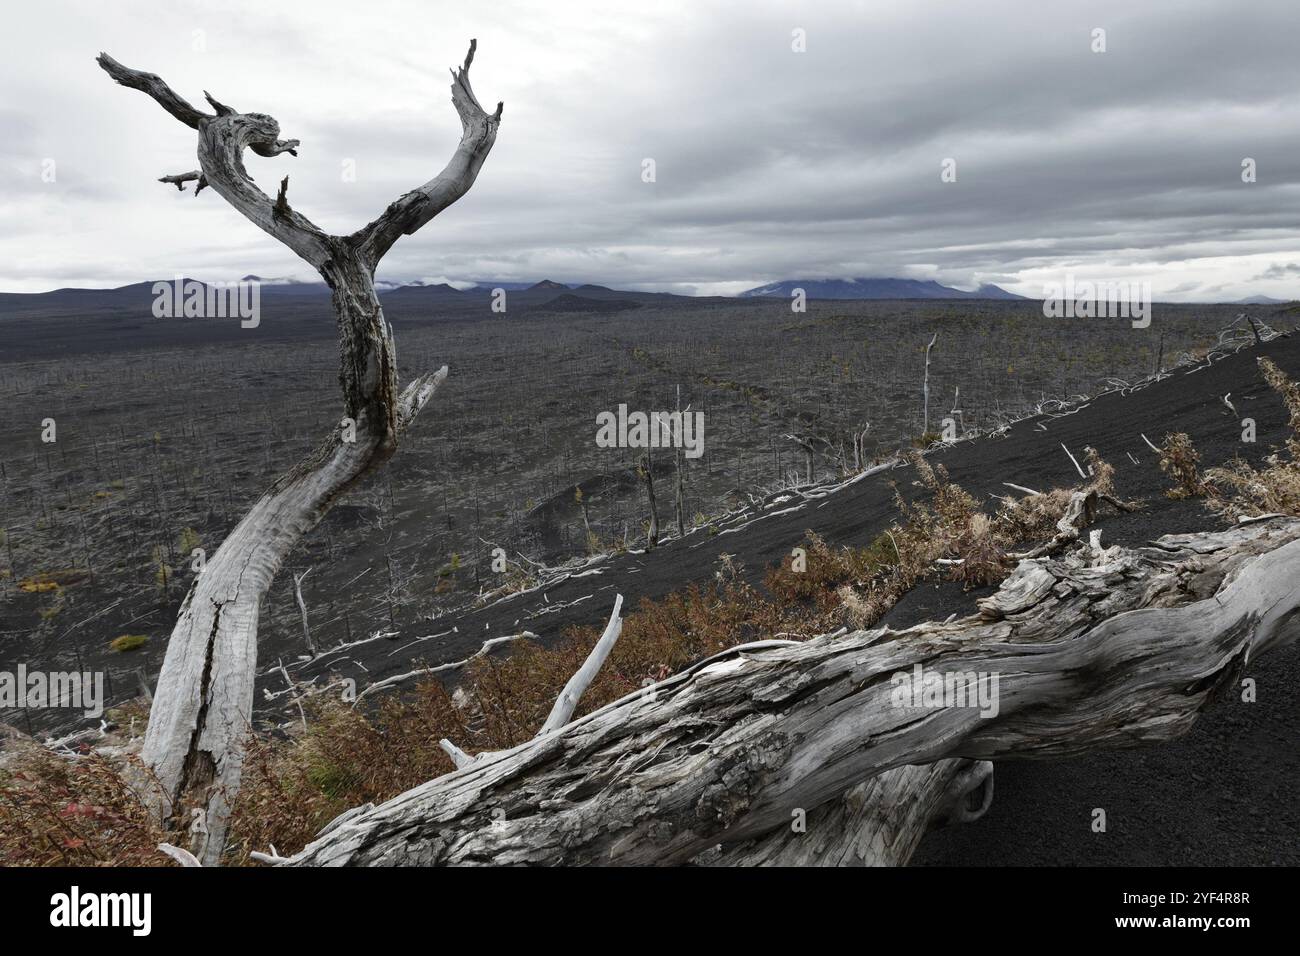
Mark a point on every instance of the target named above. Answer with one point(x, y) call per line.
point(679, 478)
point(646, 470)
point(925, 392)
point(203, 701)
point(1095, 649)
point(581, 499)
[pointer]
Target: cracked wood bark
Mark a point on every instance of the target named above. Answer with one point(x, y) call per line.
point(880, 822)
point(1112, 649)
point(203, 702)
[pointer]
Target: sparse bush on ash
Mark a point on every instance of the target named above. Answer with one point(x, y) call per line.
point(1238, 489)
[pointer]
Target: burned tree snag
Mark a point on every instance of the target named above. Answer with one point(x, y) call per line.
point(203, 702)
point(925, 392)
point(679, 478)
point(646, 471)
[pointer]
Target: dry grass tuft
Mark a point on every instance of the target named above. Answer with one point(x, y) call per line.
point(1237, 488)
point(61, 811)
point(1181, 461)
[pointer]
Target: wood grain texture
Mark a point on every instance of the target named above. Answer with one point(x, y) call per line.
point(1116, 648)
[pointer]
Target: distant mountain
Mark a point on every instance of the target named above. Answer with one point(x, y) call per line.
point(421, 289)
point(577, 303)
point(990, 291)
point(382, 286)
point(489, 284)
point(875, 289)
point(299, 293)
point(1261, 300)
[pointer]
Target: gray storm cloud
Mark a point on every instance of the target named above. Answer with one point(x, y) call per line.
point(770, 163)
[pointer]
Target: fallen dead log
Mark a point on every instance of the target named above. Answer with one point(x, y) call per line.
point(1116, 648)
point(1080, 513)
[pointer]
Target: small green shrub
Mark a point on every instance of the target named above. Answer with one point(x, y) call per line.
point(128, 642)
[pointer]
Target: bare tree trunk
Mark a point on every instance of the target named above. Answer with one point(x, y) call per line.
point(648, 476)
point(203, 702)
point(1254, 327)
point(586, 519)
point(1094, 649)
point(679, 478)
point(925, 389)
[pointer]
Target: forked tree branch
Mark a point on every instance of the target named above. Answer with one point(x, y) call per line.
point(223, 136)
point(202, 708)
point(412, 210)
point(226, 132)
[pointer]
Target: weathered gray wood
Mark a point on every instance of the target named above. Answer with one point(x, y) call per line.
point(203, 702)
point(302, 611)
point(567, 701)
point(412, 210)
point(1112, 649)
point(180, 179)
point(877, 823)
point(562, 711)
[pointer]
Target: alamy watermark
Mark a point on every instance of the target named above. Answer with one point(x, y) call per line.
point(1084, 299)
point(928, 689)
point(40, 689)
point(626, 429)
point(74, 908)
point(192, 299)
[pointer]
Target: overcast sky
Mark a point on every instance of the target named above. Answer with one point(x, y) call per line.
point(770, 163)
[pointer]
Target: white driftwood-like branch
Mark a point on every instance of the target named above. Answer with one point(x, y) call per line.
point(567, 701)
point(182, 856)
point(302, 610)
point(577, 685)
point(223, 137)
point(1077, 467)
point(1021, 488)
point(1116, 649)
point(203, 702)
point(1079, 514)
point(458, 756)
